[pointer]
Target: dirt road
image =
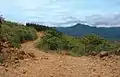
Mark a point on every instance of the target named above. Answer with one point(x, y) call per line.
point(54, 65)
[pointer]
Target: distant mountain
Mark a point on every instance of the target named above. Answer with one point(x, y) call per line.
point(112, 33)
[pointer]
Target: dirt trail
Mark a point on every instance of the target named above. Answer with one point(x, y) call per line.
point(54, 65)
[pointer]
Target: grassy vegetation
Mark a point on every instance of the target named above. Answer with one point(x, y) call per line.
point(57, 41)
point(16, 33)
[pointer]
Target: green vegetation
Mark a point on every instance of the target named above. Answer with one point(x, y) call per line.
point(16, 33)
point(52, 40)
point(1, 60)
point(39, 27)
point(112, 33)
point(57, 41)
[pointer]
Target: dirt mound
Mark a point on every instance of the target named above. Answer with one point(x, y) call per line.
point(10, 55)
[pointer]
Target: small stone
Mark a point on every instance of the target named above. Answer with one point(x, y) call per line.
point(61, 61)
point(21, 57)
point(22, 52)
point(6, 69)
point(45, 58)
point(93, 53)
point(24, 71)
point(103, 54)
point(31, 55)
point(51, 75)
point(16, 58)
point(5, 65)
point(94, 70)
point(16, 61)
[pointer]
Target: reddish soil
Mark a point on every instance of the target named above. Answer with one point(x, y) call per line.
point(55, 65)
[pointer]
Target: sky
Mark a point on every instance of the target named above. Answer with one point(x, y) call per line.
point(105, 13)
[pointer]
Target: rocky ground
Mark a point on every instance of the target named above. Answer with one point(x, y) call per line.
point(54, 65)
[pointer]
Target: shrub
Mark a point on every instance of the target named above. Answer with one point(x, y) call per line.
point(16, 33)
point(26, 33)
point(54, 40)
point(92, 40)
point(78, 50)
point(38, 27)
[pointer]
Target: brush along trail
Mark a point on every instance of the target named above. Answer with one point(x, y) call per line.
point(56, 65)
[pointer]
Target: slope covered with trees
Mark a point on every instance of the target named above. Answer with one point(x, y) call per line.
point(112, 33)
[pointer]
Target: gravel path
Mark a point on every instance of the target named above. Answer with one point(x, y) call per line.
point(54, 65)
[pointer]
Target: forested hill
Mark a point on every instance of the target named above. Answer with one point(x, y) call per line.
point(82, 30)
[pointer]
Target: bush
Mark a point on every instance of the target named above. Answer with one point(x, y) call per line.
point(16, 33)
point(26, 33)
point(52, 40)
point(95, 43)
point(38, 27)
point(56, 41)
point(78, 50)
point(92, 40)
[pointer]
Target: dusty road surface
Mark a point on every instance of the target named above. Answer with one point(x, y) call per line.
point(54, 65)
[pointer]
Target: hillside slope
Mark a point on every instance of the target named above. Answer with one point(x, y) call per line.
point(82, 30)
point(54, 65)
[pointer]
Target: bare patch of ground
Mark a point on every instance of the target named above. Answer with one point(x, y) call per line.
point(54, 65)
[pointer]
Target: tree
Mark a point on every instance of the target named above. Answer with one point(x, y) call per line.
point(1, 19)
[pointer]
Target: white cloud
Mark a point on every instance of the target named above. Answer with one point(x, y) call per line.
point(107, 20)
point(57, 12)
